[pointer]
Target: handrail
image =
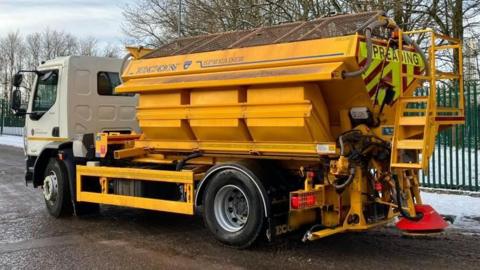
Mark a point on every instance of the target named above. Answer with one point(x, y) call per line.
point(438, 35)
point(400, 60)
point(436, 75)
point(431, 115)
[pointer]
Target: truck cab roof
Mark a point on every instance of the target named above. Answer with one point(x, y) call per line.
point(79, 59)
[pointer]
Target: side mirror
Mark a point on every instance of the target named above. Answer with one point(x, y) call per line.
point(17, 79)
point(16, 102)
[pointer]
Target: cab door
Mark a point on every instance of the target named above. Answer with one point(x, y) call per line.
point(42, 121)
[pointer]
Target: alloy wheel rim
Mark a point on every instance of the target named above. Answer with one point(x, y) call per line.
point(50, 187)
point(231, 208)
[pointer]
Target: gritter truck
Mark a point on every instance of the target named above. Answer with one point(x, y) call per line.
point(314, 125)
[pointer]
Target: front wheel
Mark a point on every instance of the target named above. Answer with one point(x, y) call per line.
point(233, 208)
point(55, 189)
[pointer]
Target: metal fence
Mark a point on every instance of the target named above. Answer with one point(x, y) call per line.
point(454, 164)
point(9, 123)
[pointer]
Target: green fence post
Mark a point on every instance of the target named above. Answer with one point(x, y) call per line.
point(452, 138)
point(2, 118)
point(469, 137)
point(444, 183)
point(457, 171)
point(464, 128)
point(475, 126)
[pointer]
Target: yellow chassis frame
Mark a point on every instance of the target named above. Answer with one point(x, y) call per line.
point(105, 174)
point(188, 178)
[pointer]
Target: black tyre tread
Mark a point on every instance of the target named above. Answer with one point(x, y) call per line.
point(247, 236)
point(63, 204)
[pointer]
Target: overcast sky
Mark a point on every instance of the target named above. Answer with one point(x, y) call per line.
point(98, 18)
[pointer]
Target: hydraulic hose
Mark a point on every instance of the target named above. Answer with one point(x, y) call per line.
point(404, 213)
point(377, 90)
point(347, 182)
point(341, 139)
point(351, 175)
point(342, 146)
point(368, 39)
point(415, 45)
point(182, 162)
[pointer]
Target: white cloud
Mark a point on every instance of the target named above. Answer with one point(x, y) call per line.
point(100, 19)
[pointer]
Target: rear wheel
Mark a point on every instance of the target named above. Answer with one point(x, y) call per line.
point(55, 189)
point(233, 208)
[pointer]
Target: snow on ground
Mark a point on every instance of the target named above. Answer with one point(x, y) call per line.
point(13, 131)
point(15, 141)
point(465, 208)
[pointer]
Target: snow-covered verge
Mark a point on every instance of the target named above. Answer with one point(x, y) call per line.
point(466, 209)
point(447, 163)
point(17, 131)
point(15, 141)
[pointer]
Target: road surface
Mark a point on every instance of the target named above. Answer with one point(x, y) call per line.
point(119, 238)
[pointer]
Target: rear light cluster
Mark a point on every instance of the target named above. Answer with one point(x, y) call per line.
point(378, 186)
point(304, 200)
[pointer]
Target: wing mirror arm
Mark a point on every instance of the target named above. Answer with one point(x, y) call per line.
point(16, 93)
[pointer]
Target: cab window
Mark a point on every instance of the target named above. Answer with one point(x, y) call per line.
point(106, 83)
point(46, 92)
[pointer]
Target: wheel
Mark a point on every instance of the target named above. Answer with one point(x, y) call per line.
point(233, 208)
point(55, 189)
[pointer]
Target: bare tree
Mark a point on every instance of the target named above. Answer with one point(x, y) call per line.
point(111, 51)
point(87, 46)
point(33, 56)
point(150, 22)
point(57, 43)
point(12, 51)
point(18, 53)
point(153, 22)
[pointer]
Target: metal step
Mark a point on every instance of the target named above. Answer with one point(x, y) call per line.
point(412, 121)
point(413, 99)
point(407, 165)
point(410, 144)
point(415, 110)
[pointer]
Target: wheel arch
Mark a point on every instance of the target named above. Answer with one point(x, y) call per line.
point(250, 169)
point(49, 151)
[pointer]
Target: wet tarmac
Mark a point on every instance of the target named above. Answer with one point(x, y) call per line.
point(120, 238)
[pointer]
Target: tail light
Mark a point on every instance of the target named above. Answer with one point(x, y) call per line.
point(378, 186)
point(304, 200)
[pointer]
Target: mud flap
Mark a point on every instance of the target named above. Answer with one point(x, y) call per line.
point(69, 162)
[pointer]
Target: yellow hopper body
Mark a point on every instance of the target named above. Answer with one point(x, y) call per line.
point(272, 99)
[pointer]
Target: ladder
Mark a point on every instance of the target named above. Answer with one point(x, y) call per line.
point(419, 118)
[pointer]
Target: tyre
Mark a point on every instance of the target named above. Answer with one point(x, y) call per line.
point(55, 189)
point(233, 208)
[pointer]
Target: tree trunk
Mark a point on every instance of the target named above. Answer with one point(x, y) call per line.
point(457, 28)
point(398, 13)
